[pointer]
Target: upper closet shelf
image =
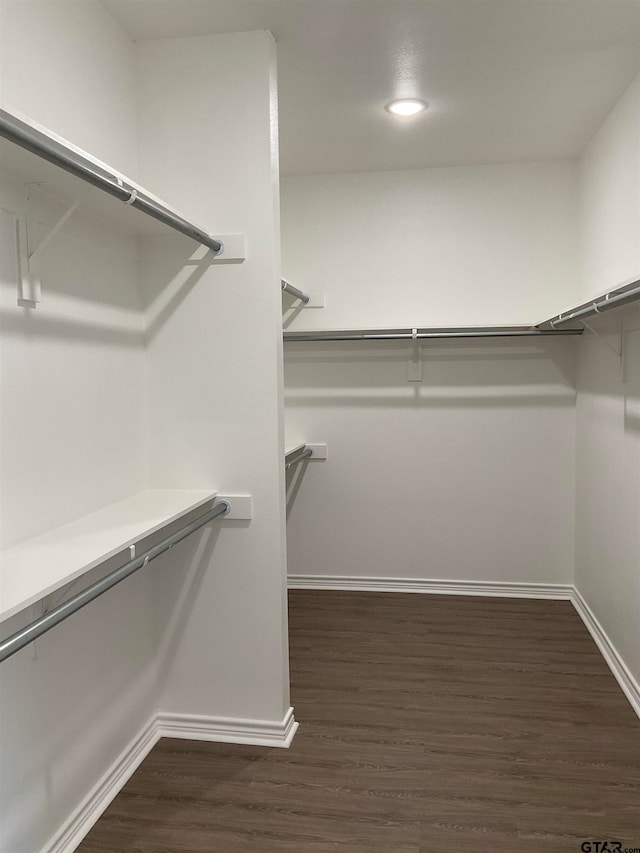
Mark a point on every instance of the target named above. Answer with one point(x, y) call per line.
point(560, 324)
point(36, 155)
point(426, 333)
point(616, 298)
point(35, 568)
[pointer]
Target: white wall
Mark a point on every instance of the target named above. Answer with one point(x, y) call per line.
point(44, 43)
point(610, 200)
point(72, 425)
point(214, 364)
point(70, 369)
point(477, 245)
point(466, 476)
point(608, 402)
point(608, 483)
point(474, 462)
point(105, 392)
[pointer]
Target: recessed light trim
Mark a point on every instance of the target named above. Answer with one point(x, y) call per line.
point(406, 107)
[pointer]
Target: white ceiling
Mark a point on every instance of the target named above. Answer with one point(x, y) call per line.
point(507, 80)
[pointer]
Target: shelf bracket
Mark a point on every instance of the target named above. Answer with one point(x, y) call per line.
point(30, 287)
point(618, 350)
point(55, 228)
point(414, 367)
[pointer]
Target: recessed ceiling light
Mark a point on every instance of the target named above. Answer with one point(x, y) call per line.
point(407, 106)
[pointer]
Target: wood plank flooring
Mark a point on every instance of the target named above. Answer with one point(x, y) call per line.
point(428, 724)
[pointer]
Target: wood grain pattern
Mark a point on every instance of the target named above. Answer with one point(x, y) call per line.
point(444, 724)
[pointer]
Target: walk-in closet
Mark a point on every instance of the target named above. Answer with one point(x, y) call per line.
point(319, 426)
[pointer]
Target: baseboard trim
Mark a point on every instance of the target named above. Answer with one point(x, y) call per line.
point(222, 729)
point(226, 730)
point(434, 587)
point(84, 817)
point(621, 672)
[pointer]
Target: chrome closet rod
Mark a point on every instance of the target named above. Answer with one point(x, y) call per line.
point(45, 623)
point(39, 143)
point(293, 291)
point(297, 456)
point(614, 299)
point(426, 335)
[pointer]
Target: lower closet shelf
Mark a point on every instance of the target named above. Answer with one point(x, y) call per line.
point(37, 567)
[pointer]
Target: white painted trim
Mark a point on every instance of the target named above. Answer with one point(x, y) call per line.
point(618, 667)
point(223, 729)
point(434, 587)
point(84, 817)
point(229, 730)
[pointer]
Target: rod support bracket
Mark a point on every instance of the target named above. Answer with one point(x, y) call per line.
point(239, 507)
point(414, 366)
point(30, 289)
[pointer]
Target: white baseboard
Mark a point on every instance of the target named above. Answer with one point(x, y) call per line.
point(621, 673)
point(434, 587)
point(83, 818)
point(225, 730)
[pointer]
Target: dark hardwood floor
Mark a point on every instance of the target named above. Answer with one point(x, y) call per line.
point(444, 724)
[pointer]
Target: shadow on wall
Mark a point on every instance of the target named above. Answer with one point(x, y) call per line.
point(294, 478)
point(603, 374)
point(178, 265)
point(91, 265)
point(89, 260)
point(482, 374)
point(180, 582)
point(34, 322)
point(126, 328)
point(430, 401)
point(631, 380)
point(291, 309)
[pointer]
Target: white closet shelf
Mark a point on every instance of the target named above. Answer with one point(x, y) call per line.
point(294, 448)
point(37, 567)
point(21, 163)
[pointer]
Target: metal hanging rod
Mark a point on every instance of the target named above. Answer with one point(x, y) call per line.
point(293, 291)
point(615, 299)
point(296, 456)
point(23, 134)
point(45, 623)
point(428, 334)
